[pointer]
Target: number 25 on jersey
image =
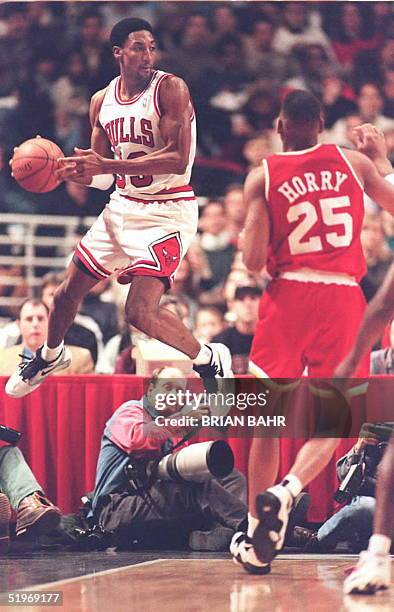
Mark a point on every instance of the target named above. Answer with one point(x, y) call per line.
point(332, 213)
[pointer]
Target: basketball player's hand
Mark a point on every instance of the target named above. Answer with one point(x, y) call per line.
point(85, 163)
point(370, 141)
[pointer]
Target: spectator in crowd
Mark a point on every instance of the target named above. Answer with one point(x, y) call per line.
point(33, 324)
point(220, 94)
point(70, 96)
point(353, 522)
point(315, 66)
point(370, 107)
point(223, 21)
point(354, 33)
point(262, 61)
point(216, 241)
point(193, 56)
point(337, 98)
point(209, 323)
point(239, 338)
point(179, 510)
point(299, 29)
point(377, 254)
point(235, 210)
point(19, 490)
point(382, 360)
point(91, 44)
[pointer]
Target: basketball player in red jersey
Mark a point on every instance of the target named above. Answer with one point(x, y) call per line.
point(373, 570)
point(146, 118)
point(305, 213)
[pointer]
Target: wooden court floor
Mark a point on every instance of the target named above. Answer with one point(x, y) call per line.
point(296, 584)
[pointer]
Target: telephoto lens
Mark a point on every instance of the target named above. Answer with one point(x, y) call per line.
point(197, 462)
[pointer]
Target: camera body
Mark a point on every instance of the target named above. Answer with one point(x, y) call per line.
point(372, 454)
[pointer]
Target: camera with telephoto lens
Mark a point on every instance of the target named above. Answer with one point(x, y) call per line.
point(354, 479)
point(9, 435)
point(194, 463)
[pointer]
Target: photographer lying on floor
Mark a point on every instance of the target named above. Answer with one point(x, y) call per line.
point(161, 513)
point(356, 472)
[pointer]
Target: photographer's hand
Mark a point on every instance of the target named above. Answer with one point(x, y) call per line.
point(363, 442)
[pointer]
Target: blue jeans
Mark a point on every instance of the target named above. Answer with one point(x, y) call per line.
point(352, 523)
point(16, 478)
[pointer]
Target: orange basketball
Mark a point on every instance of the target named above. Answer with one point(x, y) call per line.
point(33, 165)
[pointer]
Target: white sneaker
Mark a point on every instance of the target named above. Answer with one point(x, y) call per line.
point(273, 509)
point(372, 573)
point(243, 554)
point(219, 365)
point(32, 372)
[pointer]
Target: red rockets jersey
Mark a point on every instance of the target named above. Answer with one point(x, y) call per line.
point(316, 210)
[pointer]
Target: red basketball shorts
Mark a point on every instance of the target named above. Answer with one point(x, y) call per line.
point(309, 325)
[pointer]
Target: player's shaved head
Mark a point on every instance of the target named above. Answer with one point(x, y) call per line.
point(123, 28)
point(300, 106)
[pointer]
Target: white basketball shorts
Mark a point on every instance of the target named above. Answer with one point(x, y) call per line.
point(135, 237)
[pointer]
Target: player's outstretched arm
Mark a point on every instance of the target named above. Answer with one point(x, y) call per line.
point(379, 312)
point(175, 130)
point(372, 142)
point(378, 188)
point(255, 236)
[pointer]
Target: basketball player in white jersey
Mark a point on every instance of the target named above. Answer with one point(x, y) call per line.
point(146, 118)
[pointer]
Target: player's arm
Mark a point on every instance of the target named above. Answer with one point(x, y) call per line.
point(175, 130)
point(255, 236)
point(378, 188)
point(379, 312)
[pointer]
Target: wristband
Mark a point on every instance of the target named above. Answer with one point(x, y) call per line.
point(102, 181)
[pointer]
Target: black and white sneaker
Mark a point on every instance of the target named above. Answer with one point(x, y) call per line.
point(32, 372)
point(243, 553)
point(273, 509)
point(219, 365)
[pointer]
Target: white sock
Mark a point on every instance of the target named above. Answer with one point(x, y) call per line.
point(204, 356)
point(50, 354)
point(252, 524)
point(292, 484)
point(379, 544)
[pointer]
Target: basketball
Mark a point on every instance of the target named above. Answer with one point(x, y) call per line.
point(33, 165)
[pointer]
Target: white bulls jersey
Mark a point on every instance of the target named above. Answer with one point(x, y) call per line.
point(132, 127)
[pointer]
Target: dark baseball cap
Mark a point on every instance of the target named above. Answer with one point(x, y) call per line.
point(247, 290)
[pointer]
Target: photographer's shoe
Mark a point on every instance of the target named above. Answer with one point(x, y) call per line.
point(36, 513)
point(219, 365)
point(372, 573)
point(273, 509)
point(243, 553)
point(5, 516)
point(32, 372)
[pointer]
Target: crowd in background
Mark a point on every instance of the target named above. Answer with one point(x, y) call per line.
point(238, 60)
